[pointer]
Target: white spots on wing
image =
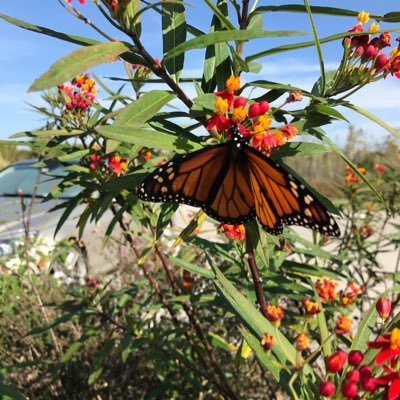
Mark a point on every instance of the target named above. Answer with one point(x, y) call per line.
point(308, 199)
point(293, 185)
point(307, 212)
point(169, 170)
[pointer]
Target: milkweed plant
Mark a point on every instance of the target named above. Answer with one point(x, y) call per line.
point(318, 316)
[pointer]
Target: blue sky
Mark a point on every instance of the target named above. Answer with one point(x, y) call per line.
point(25, 55)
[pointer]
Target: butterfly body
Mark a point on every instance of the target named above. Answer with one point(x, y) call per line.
point(234, 183)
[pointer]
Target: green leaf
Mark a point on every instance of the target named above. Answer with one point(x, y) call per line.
point(300, 8)
point(226, 36)
point(339, 152)
point(217, 64)
point(78, 62)
point(323, 327)
point(148, 138)
point(221, 15)
point(167, 210)
point(302, 45)
point(10, 392)
point(298, 149)
point(372, 117)
point(192, 267)
point(219, 341)
point(329, 111)
point(97, 367)
point(174, 33)
point(309, 270)
point(125, 346)
point(79, 40)
point(143, 109)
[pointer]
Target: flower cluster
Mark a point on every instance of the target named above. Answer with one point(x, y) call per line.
point(360, 378)
point(110, 163)
point(187, 280)
point(80, 1)
point(91, 282)
point(351, 177)
point(364, 60)
point(379, 169)
point(79, 94)
point(327, 291)
point(233, 231)
point(254, 121)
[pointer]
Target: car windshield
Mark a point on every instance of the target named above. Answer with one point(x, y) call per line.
point(22, 177)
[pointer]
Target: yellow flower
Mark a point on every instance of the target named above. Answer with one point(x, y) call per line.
point(373, 27)
point(302, 342)
point(239, 114)
point(363, 17)
point(233, 84)
point(394, 52)
point(395, 339)
point(221, 105)
point(264, 121)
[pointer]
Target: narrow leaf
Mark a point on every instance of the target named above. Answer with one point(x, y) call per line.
point(78, 62)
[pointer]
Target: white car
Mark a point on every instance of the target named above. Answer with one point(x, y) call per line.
point(85, 256)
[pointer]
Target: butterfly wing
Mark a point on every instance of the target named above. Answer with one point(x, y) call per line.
point(282, 199)
point(208, 178)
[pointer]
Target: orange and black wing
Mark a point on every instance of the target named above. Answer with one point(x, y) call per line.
point(208, 178)
point(281, 199)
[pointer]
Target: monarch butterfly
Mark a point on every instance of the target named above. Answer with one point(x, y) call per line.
point(234, 183)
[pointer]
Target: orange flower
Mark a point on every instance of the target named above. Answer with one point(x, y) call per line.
point(233, 231)
point(379, 168)
point(233, 84)
point(326, 290)
point(117, 164)
point(302, 342)
point(343, 325)
point(273, 313)
point(267, 341)
point(363, 17)
point(311, 308)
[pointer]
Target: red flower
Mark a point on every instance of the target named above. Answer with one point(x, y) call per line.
point(349, 389)
point(221, 122)
point(254, 110)
point(326, 388)
point(311, 308)
point(274, 313)
point(335, 362)
point(392, 382)
point(384, 307)
point(233, 231)
point(353, 375)
point(117, 164)
point(355, 358)
point(389, 345)
point(380, 169)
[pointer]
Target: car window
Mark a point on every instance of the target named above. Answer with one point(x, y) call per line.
point(23, 177)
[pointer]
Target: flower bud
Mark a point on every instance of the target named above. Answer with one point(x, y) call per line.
point(370, 52)
point(302, 342)
point(365, 371)
point(335, 362)
point(368, 384)
point(326, 388)
point(239, 102)
point(381, 61)
point(353, 376)
point(254, 110)
point(264, 106)
point(349, 389)
point(384, 307)
point(267, 341)
point(355, 358)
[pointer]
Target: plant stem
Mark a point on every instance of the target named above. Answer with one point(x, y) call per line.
point(257, 281)
point(178, 324)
